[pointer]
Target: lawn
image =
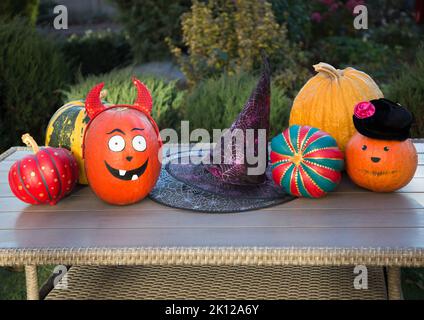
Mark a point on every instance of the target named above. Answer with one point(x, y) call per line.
point(12, 283)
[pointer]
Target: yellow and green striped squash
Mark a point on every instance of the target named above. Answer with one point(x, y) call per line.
point(66, 130)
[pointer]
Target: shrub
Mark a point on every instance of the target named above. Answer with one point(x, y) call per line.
point(296, 15)
point(391, 22)
point(46, 13)
point(333, 17)
point(22, 8)
point(391, 38)
point(216, 102)
point(32, 70)
point(229, 36)
point(408, 89)
point(167, 98)
point(97, 52)
point(368, 56)
point(395, 26)
point(149, 22)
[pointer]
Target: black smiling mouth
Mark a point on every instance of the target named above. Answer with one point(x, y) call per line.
point(131, 175)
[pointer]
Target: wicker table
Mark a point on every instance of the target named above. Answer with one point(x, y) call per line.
point(349, 227)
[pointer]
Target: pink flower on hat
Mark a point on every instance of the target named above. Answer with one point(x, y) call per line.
point(364, 110)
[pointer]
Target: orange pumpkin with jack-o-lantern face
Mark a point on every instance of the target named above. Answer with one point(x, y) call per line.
point(380, 165)
point(121, 148)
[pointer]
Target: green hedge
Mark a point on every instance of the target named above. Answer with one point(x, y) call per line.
point(20, 8)
point(408, 90)
point(149, 22)
point(215, 103)
point(97, 52)
point(32, 72)
point(371, 57)
point(297, 16)
point(167, 98)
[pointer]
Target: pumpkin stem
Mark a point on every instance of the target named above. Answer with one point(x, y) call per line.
point(30, 142)
point(329, 70)
point(103, 94)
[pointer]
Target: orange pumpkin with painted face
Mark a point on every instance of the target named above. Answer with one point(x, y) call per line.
point(121, 148)
point(380, 165)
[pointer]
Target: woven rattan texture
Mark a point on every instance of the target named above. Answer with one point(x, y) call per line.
point(214, 256)
point(218, 282)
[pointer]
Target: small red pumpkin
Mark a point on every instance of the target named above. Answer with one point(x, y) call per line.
point(121, 148)
point(45, 177)
point(380, 165)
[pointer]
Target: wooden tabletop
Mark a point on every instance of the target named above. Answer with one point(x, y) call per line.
point(349, 221)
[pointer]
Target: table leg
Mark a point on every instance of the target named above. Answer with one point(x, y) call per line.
point(394, 283)
point(32, 283)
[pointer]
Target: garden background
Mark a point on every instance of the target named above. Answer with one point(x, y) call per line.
point(200, 59)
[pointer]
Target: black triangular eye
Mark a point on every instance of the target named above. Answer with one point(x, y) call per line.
point(386, 149)
point(364, 147)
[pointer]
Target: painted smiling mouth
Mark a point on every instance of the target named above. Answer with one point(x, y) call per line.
point(127, 175)
point(379, 173)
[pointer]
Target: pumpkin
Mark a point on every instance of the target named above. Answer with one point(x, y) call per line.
point(121, 148)
point(45, 177)
point(380, 165)
point(306, 162)
point(66, 130)
point(327, 101)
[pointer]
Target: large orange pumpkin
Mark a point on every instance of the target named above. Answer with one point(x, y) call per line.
point(380, 165)
point(121, 148)
point(327, 101)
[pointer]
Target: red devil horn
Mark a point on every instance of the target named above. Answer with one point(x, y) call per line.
point(93, 105)
point(144, 98)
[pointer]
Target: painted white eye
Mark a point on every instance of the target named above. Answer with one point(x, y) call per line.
point(116, 143)
point(139, 143)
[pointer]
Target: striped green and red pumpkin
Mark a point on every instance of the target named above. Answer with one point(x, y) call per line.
point(66, 130)
point(306, 162)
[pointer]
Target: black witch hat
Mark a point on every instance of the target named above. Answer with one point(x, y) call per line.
point(226, 186)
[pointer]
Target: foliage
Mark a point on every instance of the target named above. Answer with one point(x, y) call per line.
point(396, 26)
point(391, 38)
point(46, 12)
point(230, 36)
point(23, 8)
point(368, 56)
point(408, 89)
point(216, 102)
point(384, 12)
point(149, 22)
point(97, 52)
point(13, 282)
point(413, 283)
point(296, 15)
point(32, 70)
point(333, 17)
point(167, 98)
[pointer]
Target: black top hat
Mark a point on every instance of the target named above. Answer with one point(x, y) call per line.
point(383, 119)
